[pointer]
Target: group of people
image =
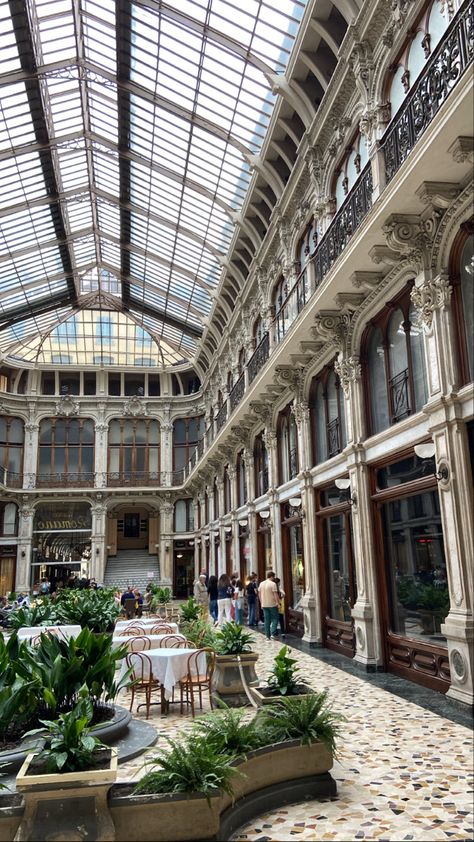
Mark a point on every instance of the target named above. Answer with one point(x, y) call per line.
point(224, 598)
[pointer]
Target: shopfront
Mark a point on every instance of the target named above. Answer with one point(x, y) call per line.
point(413, 586)
point(293, 567)
point(61, 542)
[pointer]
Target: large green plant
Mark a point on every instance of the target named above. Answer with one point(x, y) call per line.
point(229, 731)
point(199, 633)
point(308, 719)
point(94, 609)
point(190, 610)
point(41, 613)
point(284, 675)
point(70, 747)
point(192, 765)
point(232, 639)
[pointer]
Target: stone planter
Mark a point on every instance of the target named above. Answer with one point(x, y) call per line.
point(268, 695)
point(175, 818)
point(227, 682)
point(68, 806)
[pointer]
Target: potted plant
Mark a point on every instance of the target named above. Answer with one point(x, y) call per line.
point(234, 659)
point(199, 633)
point(161, 598)
point(190, 610)
point(70, 776)
point(284, 680)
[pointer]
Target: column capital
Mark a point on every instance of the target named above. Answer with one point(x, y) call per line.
point(300, 411)
point(348, 370)
point(430, 296)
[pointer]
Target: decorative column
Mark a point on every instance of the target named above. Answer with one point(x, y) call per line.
point(166, 452)
point(30, 458)
point(364, 612)
point(197, 547)
point(252, 527)
point(166, 543)
point(24, 548)
point(432, 298)
point(270, 442)
point(100, 455)
point(98, 541)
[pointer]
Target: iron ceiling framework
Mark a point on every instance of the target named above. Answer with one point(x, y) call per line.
point(126, 132)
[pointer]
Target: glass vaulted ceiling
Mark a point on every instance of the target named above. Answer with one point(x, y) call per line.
point(125, 129)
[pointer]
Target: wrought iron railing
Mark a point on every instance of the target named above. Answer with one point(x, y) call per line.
point(237, 392)
point(399, 396)
point(334, 441)
point(10, 479)
point(221, 417)
point(440, 75)
point(134, 478)
point(76, 479)
point(258, 358)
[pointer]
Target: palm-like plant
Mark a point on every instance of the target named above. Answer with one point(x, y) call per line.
point(232, 639)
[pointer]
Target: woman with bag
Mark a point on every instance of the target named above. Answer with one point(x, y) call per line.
point(239, 601)
point(225, 593)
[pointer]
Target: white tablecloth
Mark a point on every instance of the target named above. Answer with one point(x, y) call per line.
point(168, 665)
point(156, 640)
point(27, 632)
point(122, 625)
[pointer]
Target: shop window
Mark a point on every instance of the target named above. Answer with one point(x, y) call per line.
point(11, 445)
point(287, 445)
point(394, 364)
point(134, 449)
point(462, 278)
point(260, 458)
point(326, 402)
point(66, 451)
point(186, 434)
point(184, 516)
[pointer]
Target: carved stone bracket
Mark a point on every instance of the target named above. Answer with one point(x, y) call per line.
point(431, 296)
point(365, 280)
point(289, 376)
point(439, 194)
point(332, 326)
point(412, 236)
point(462, 150)
point(348, 370)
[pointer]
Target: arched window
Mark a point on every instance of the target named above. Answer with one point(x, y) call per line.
point(288, 445)
point(241, 480)
point(394, 364)
point(258, 332)
point(184, 516)
point(206, 507)
point(215, 494)
point(66, 451)
point(349, 169)
point(260, 457)
point(326, 403)
point(134, 451)
point(462, 279)
point(227, 491)
point(285, 310)
point(186, 434)
point(11, 448)
point(242, 360)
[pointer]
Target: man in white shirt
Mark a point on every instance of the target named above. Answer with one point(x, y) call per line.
point(268, 596)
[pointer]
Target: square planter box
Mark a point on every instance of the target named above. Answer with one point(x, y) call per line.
point(226, 681)
point(267, 695)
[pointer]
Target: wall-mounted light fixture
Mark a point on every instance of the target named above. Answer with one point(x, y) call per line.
point(198, 541)
point(296, 504)
point(426, 450)
point(265, 514)
point(344, 485)
point(243, 523)
point(191, 543)
point(228, 529)
point(23, 554)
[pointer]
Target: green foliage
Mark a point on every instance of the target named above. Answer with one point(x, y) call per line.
point(190, 610)
point(192, 765)
point(94, 609)
point(163, 595)
point(40, 613)
point(200, 633)
point(284, 675)
point(309, 719)
point(415, 595)
point(232, 639)
point(70, 747)
point(229, 732)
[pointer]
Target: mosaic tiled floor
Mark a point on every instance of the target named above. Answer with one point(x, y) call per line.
point(403, 773)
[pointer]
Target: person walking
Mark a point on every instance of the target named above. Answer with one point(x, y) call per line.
point(212, 593)
point(225, 593)
point(200, 594)
point(268, 596)
point(252, 592)
point(239, 601)
point(281, 607)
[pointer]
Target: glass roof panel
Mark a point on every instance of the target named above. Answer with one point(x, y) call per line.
point(151, 216)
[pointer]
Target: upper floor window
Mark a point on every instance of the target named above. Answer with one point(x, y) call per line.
point(11, 444)
point(8, 519)
point(308, 243)
point(349, 169)
point(242, 360)
point(462, 279)
point(227, 491)
point(394, 364)
point(241, 480)
point(326, 401)
point(284, 310)
point(287, 445)
point(184, 516)
point(134, 447)
point(260, 458)
point(258, 331)
point(186, 434)
point(66, 447)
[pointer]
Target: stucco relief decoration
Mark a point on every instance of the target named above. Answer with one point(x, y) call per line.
point(431, 296)
point(134, 407)
point(412, 236)
point(348, 370)
point(332, 327)
point(300, 412)
point(67, 406)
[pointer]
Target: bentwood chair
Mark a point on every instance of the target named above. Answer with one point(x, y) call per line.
point(139, 644)
point(196, 679)
point(173, 641)
point(142, 678)
point(140, 630)
point(161, 628)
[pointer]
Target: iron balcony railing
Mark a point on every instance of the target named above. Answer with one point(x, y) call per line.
point(258, 358)
point(75, 479)
point(134, 478)
point(221, 417)
point(439, 77)
point(237, 392)
point(10, 479)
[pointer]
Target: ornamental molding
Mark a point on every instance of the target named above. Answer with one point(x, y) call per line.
point(300, 412)
point(332, 326)
point(361, 62)
point(290, 377)
point(135, 407)
point(462, 150)
point(430, 296)
point(269, 439)
point(439, 194)
point(412, 236)
point(348, 370)
point(365, 280)
point(67, 406)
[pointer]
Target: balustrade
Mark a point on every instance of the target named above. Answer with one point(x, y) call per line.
point(237, 392)
point(258, 358)
point(221, 417)
point(134, 478)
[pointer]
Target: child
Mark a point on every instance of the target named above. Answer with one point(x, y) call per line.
point(281, 607)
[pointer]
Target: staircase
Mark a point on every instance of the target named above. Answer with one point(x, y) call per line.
point(130, 567)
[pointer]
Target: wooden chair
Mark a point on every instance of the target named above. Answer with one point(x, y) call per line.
point(143, 680)
point(173, 641)
point(35, 641)
point(139, 630)
point(130, 608)
point(161, 628)
point(197, 681)
point(139, 644)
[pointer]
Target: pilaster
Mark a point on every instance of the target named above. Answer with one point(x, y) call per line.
point(24, 548)
point(98, 542)
point(310, 602)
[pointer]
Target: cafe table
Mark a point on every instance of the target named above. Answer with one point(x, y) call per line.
point(29, 632)
point(122, 625)
point(169, 666)
point(156, 640)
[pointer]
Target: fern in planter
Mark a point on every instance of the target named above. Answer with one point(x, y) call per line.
point(232, 639)
point(230, 732)
point(199, 632)
point(190, 766)
point(309, 719)
point(70, 747)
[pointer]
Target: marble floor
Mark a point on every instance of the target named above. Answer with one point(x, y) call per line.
point(403, 772)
